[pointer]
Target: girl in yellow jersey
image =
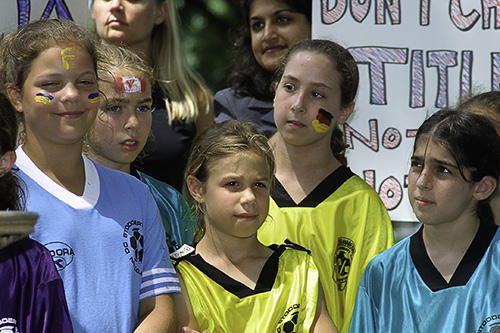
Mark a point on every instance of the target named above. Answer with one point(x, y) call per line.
point(318, 201)
point(230, 281)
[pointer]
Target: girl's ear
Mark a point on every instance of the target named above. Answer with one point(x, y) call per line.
point(195, 187)
point(6, 162)
point(346, 113)
point(484, 188)
point(15, 98)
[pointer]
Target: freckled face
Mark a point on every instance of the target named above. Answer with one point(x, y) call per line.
point(55, 96)
point(274, 28)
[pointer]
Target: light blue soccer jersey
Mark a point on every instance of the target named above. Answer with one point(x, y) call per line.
point(108, 244)
point(402, 291)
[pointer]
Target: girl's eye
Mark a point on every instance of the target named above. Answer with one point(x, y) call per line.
point(231, 184)
point(289, 87)
point(415, 164)
point(143, 108)
point(49, 84)
point(86, 84)
point(261, 185)
point(317, 95)
point(113, 108)
point(443, 169)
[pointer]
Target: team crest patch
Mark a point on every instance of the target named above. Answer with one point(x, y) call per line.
point(342, 261)
point(133, 244)
point(289, 320)
point(62, 254)
point(8, 325)
point(490, 324)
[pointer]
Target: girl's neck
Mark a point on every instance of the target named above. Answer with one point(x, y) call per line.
point(215, 245)
point(241, 259)
point(301, 158)
point(446, 244)
point(61, 163)
point(301, 169)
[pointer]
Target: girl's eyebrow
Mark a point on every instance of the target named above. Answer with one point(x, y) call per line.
point(126, 100)
point(317, 84)
point(435, 161)
point(146, 100)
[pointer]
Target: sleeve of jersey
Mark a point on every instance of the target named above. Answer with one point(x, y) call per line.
point(158, 276)
point(364, 314)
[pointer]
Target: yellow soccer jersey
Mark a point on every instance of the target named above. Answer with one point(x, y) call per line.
point(344, 224)
point(284, 299)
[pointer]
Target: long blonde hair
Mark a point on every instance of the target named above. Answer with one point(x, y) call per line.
point(185, 94)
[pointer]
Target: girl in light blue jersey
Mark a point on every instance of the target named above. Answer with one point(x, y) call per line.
point(442, 278)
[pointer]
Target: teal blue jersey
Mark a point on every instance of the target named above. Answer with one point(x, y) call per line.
point(402, 291)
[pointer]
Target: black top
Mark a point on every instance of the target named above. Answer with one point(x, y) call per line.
point(165, 154)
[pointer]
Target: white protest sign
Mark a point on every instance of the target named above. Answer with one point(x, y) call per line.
point(415, 57)
point(18, 13)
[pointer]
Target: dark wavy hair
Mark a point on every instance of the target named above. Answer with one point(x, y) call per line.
point(473, 142)
point(11, 193)
point(248, 78)
point(345, 65)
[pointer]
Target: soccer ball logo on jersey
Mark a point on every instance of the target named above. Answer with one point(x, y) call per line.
point(62, 254)
point(342, 261)
point(289, 320)
point(490, 324)
point(8, 325)
point(133, 244)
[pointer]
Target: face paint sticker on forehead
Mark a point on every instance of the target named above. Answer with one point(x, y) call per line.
point(130, 85)
point(67, 57)
point(323, 121)
point(43, 98)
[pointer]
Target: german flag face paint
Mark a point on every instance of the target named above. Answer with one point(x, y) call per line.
point(94, 98)
point(43, 98)
point(129, 85)
point(323, 121)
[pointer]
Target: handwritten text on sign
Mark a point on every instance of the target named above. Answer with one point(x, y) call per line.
point(415, 56)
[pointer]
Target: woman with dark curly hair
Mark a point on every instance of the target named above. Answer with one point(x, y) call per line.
point(270, 29)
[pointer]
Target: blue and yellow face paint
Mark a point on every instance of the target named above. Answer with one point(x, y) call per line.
point(94, 98)
point(43, 98)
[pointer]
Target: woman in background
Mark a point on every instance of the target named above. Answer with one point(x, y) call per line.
point(271, 28)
